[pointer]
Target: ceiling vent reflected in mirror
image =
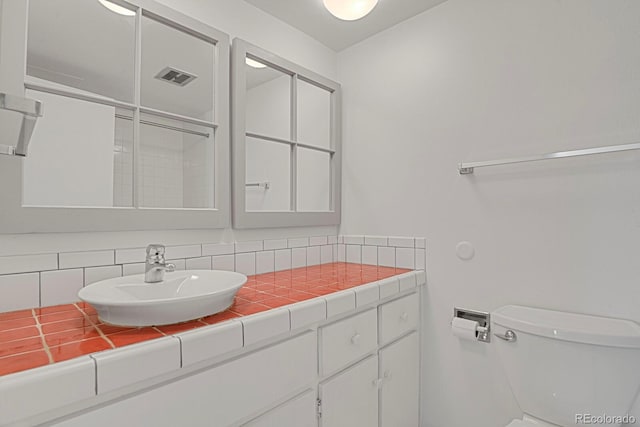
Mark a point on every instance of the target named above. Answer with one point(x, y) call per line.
point(176, 77)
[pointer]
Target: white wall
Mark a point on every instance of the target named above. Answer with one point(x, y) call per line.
point(477, 80)
point(239, 19)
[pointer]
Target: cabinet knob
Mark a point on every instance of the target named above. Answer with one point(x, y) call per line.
point(355, 339)
point(377, 382)
point(387, 375)
point(404, 317)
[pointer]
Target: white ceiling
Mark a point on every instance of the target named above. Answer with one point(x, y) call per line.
point(311, 17)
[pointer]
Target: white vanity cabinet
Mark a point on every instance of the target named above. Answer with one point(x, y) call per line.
point(221, 396)
point(360, 368)
point(383, 389)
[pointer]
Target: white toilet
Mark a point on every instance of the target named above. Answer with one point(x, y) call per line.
point(562, 365)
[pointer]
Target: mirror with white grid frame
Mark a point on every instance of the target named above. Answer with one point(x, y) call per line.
point(83, 151)
point(286, 142)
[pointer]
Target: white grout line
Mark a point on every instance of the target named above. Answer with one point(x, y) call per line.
point(44, 341)
point(86, 316)
point(155, 328)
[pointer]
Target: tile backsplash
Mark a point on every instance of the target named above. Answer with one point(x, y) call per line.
point(41, 280)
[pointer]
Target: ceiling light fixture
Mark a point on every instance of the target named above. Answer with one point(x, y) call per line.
point(350, 10)
point(253, 63)
point(120, 10)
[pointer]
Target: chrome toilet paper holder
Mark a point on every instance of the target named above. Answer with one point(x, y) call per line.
point(483, 318)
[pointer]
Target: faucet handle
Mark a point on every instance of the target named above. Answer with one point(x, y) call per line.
point(155, 249)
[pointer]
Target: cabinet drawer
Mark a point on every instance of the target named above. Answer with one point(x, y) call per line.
point(347, 340)
point(398, 317)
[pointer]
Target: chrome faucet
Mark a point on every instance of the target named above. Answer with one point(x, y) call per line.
point(156, 265)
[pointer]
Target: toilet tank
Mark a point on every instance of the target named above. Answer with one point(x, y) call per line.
point(561, 365)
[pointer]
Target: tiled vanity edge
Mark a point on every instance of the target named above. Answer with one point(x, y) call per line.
point(65, 383)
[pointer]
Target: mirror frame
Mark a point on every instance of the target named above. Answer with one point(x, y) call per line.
point(15, 218)
point(262, 219)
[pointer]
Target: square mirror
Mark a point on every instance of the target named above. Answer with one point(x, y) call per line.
point(135, 131)
point(286, 142)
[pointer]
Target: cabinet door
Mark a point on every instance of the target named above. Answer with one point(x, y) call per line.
point(297, 412)
point(350, 399)
point(399, 395)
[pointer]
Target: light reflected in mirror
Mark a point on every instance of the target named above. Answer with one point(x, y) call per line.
point(314, 115)
point(75, 151)
point(313, 180)
point(268, 100)
point(94, 54)
point(177, 164)
point(268, 175)
point(177, 71)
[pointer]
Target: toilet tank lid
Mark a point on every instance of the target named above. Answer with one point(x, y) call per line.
point(581, 328)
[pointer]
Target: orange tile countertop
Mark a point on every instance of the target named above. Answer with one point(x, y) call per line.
point(41, 336)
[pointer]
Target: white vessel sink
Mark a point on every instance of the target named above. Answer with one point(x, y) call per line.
point(181, 296)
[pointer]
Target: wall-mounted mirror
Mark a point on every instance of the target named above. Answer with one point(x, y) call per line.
point(95, 138)
point(286, 142)
point(136, 116)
